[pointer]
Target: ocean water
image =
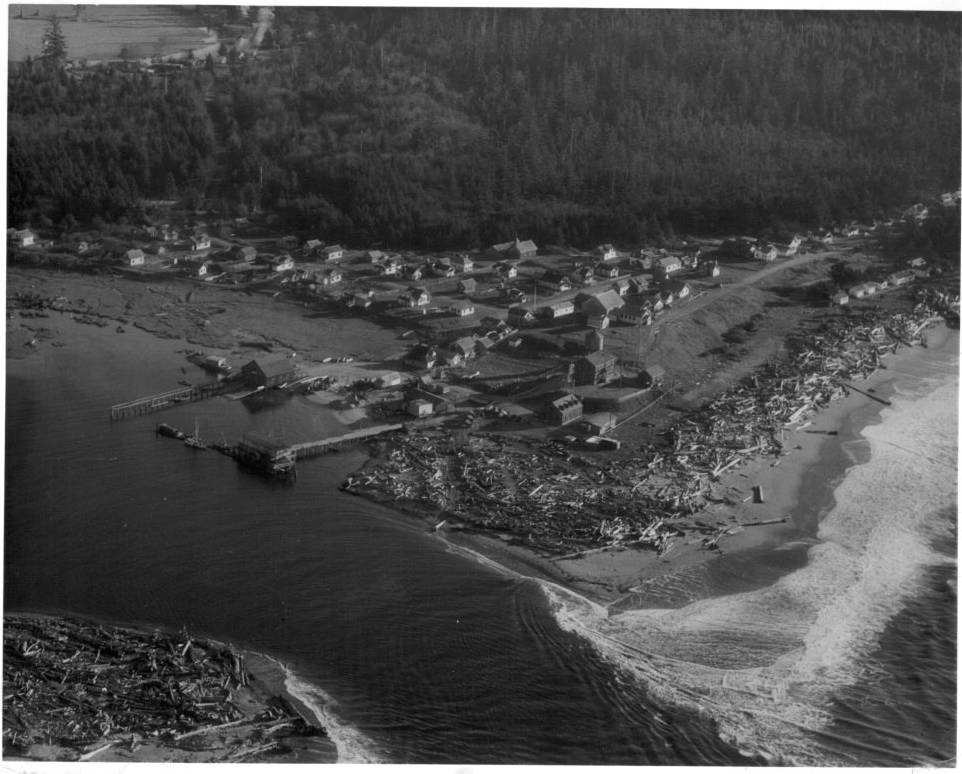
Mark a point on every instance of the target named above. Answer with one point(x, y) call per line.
point(410, 651)
point(850, 658)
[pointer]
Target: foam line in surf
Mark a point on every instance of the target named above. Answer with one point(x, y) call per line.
point(352, 745)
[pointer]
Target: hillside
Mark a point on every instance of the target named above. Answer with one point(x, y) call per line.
point(460, 127)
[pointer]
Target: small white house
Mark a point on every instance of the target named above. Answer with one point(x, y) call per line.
point(134, 257)
point(606, 252)
point(22, 237)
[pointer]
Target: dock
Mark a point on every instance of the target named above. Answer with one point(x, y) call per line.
point(169, 399)
point(309, 449)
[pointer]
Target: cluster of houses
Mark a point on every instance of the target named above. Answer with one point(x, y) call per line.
point(916, 268)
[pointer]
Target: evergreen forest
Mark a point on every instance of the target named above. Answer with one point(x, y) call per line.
point(445, 128)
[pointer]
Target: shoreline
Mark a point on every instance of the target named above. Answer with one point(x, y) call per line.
point(798, 485)
point(257, 703)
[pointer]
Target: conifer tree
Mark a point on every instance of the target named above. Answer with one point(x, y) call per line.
point(54, 44)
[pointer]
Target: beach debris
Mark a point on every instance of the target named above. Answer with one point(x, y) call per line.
point(86, 687)
point(562, 503)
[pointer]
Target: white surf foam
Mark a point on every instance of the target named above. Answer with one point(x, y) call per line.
point(764, 664)
point(352, 745)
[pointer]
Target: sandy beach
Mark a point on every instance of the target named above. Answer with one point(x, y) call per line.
point(797, 487)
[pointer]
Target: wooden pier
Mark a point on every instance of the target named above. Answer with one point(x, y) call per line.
point(152, 403)
point(309, 449)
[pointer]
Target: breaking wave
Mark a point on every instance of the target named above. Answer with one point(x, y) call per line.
point(352, 746)
point(764, 665)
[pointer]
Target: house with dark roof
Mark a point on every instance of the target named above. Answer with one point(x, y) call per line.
point(269, 372)
point(595, 368)
point(519, 316)
point(555, 281)
point(522, 250)
point(468, 286)
point(603, 303)
point(557, 309)
point(243, 253)
point(421, 356)
point(563, 409)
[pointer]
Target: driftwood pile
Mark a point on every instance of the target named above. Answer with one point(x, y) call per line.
point(82, 688)
point(559, 502)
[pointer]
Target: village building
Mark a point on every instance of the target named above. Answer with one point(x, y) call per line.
point(667, 265)
point(606, 271)
point(279, 263)
point(522, 250)
point(421, 357)
point(594, 341)
point(606, 252)
point(917, 263)
point(312, 247)
point(506, 270)
point(269, 372)
point(134, 257)
point(639, 284)
point(621, 286)
point(840, 298)
point(651, 376)
point(442, 268)
point(690, 255)
point(332, 252)
point(519, 316)
point(595, 368)
point(463, 263)
point(600, 423)
point(468, 286)
point(196, 267)
point(199, 242)
point(739, 248)
point(362, 300)
point(415, 297)
point(680, 290)
point(766, 253)
point(863, 290)
point(712, 269)
point(419, 407)
point(601, 304)
point(464, 346)
point(584, 275)
point(389, 268)
point(22, 237)
point(557, 309)
point(794, 245)
point(413, 271)
point(461, 308)
point(389, 379)
point(243, 253)
point(328, 277)
point(555, 281)
point(564, 409)
point(634, 313)
point(374, 257)
point(895, 279)
point(483, 344)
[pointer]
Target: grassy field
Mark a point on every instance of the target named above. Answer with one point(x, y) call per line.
point(102, 31)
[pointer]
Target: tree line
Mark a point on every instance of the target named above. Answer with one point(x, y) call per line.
point(432, 127)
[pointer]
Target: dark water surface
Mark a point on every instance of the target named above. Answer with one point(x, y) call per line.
point(419, 654)
point(415, 653)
